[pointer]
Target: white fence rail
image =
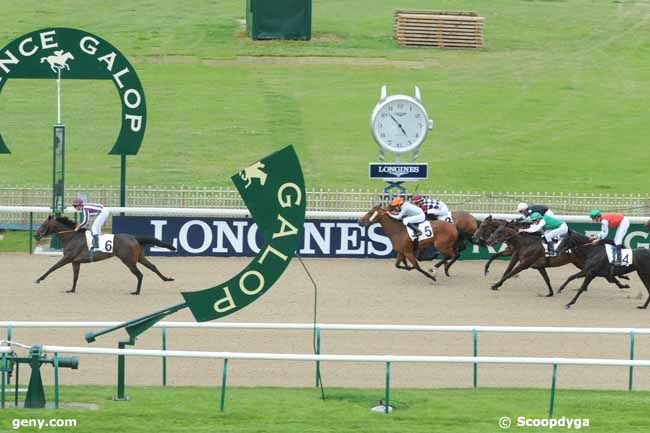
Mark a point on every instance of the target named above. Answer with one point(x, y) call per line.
point(327, 200)
point(41, 210)
point(318, 357)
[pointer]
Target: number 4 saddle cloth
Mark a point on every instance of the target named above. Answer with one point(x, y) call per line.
point(626, 255)
point(105, 242)
point(425, 229)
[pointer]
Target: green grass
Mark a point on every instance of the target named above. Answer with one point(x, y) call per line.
point(285, 410)
point(14, 241)
point(557, 101)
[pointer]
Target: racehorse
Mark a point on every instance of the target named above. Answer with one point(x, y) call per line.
point(443, 239)
point(648, 224)
point(528, 252)
point(129, 249)
point(596, 263)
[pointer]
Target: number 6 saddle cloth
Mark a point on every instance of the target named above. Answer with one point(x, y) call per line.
point(626, 255)
point(425, 229)
point(105, 242)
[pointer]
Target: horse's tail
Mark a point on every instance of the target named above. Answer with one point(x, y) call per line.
point(43, 59)
point(147, 240)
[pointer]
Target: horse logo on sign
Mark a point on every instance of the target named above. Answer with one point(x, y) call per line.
point(58, 60)
point(253, 172)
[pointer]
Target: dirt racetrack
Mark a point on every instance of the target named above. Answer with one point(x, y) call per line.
point(350, 291)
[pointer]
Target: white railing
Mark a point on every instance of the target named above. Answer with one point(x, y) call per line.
point(17, 324)
point(318, 357)
point(328, 199)
point(244, 213)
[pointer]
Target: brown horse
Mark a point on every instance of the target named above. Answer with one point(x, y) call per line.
point(528, 252)
point(443, 239)
point(648, 224)
point(129, 249)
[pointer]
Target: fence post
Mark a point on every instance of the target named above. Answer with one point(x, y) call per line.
point(317, 353)
point(120, 372)
point(164, 358)
point(552, 402)
point(475, 344)
point(16, 380)
point(31, 230)
point(387, 397)
point(2, 378)
point(631, 373)
point(56, 380)
point(9, 333)
point(223, 383)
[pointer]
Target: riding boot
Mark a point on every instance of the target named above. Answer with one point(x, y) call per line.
point(550, 248)
point(416, 230)
point(95, 241)
point(618, 250)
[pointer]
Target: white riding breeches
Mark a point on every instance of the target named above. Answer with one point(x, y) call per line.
point(415, 219)
point(621, 230)
point(441, 213)
point(556, 233)
point(96, 228)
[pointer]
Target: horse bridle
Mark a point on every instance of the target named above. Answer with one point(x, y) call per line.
point(379, 211)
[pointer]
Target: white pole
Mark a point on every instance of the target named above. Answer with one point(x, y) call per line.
point(58, 98)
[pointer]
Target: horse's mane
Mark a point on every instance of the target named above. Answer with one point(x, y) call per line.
point(66, 221)
point(579, 237)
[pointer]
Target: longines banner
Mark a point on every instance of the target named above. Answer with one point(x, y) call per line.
point(320, 238)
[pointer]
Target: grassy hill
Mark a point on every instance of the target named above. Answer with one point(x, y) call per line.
point(557, 101)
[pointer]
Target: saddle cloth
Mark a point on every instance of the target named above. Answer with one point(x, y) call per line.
point(426, 230)
point(626, 255)
point(105, 242)
point(556, 243)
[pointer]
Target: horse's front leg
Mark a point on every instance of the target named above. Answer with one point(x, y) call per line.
point(571, 278)
point(62, 262)
point(583, 288)
point(494, 256)
point(75, 276)
point(400, 262)
point(513, 261)
point(547, 280)
point(520, 267)
point(411, 258)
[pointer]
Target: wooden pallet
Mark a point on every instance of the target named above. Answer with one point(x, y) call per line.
point(443, 29)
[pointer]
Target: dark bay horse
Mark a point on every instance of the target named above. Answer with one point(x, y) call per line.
point(483, 233)
point(129, 249)
point(466, 226)
point(528, 252)
point(596, 263)
point(444, 238)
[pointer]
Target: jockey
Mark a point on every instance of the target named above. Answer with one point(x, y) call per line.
point(434, 209)
point(527, 210)
point(410, 214)
point(607, 221)
point(554, 229)
point(88, 210)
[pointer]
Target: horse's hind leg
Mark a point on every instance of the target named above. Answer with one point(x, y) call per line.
point(142, 259)
point(75, 276)
point(62, 262)
point(645, 278)
point(571, 278)
point(135, 271)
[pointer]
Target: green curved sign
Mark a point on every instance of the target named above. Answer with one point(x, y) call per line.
point(77, 54)
point(273, 189)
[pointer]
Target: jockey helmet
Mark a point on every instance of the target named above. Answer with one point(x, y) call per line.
point(397, 201)
point(536, 216)
point(594, 214)
point(522, 207)
point(77, 201)
point(417, 198)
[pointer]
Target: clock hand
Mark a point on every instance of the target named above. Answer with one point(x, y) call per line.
point(398, 124)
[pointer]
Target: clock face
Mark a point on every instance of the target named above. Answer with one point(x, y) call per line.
point(399, 124)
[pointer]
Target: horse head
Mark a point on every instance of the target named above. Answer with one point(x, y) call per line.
point(46, 228)
point(648, 224)
point(372, 216)
point(501, 234)
point(571, 241)
point(483, 231)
